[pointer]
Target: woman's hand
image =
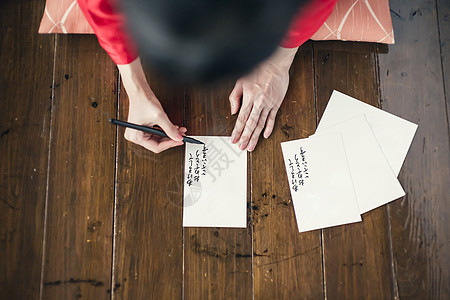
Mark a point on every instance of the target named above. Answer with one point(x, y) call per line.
point(262, 92)
point(145, 109)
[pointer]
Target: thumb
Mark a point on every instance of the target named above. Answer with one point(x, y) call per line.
point(170, 129)
point(235, 97)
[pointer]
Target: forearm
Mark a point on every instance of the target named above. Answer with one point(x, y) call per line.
point(282, 58)
point(134, 80)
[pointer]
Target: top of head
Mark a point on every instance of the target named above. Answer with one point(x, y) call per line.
point(204, 40)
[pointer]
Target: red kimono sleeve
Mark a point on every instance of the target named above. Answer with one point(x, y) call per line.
point(309, 19)
point(110, 28)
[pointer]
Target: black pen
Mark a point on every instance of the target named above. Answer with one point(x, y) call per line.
point(151, 130)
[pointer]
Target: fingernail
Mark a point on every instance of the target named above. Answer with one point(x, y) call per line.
point(179, 137)
point(242, 147)
point(250, 149)
point(233, 140)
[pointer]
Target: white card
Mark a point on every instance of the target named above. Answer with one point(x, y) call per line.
point(373, 179)
point(394, 134)
point(215, 184)
point(320, 182)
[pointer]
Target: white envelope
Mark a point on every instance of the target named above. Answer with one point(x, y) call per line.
point(215, 184)
point(394, 134)
point(320, 182)
point(373, 179)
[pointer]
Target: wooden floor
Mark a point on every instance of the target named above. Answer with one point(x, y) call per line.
point(85, 214)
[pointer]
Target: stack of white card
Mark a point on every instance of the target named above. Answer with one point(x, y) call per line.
point(349, 166)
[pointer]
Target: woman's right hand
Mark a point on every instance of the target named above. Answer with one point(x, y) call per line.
point(145, 109)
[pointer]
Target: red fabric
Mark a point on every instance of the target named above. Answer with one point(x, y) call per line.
point(309, 19)
point(109, 26)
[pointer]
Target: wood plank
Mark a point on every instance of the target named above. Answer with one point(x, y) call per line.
point(350, 47)
point(148, 259)
point(217, 261)
point(81, 186)
point(286, 264)
point(413, 88)
point(357, 256)
point(443, 10)
point(25, 91)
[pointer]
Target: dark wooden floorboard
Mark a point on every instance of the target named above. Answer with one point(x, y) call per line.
point(413, 87)
point(122, 219)
point(217, 261)
point(357, 256)
point(78, 240)
point(25, 92)
point(286, 264)
point(443, 12)
point(148, 260)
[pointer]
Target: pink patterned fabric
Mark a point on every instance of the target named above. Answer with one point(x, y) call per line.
point(64, 16)
point(358, 20)
point(351, 20)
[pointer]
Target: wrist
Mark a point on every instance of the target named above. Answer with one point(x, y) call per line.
point(282, 58)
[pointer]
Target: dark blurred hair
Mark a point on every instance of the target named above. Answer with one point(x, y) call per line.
point(204, 40)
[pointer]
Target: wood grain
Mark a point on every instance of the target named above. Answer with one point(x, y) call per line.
point(217, 261)
point(131, 223)
point(357, 256)
point(443, 13)
point(148, 255)
point(286, 264)
point(78, 239)
point(412, 87)
point(25, 91)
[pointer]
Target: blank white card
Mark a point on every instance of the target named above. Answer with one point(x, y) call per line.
point(374, 181)
point(394, 134)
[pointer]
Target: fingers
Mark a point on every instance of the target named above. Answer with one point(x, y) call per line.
point(158, 147)
point(270, 123)
point(182, 130)
point(171, 130)
point(253, 124)
point(235, 97)
point(248, 129)
point(153, 143)
point(241, 121)
point(256, 133)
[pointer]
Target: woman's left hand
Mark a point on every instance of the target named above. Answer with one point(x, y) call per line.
point(262, 92)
